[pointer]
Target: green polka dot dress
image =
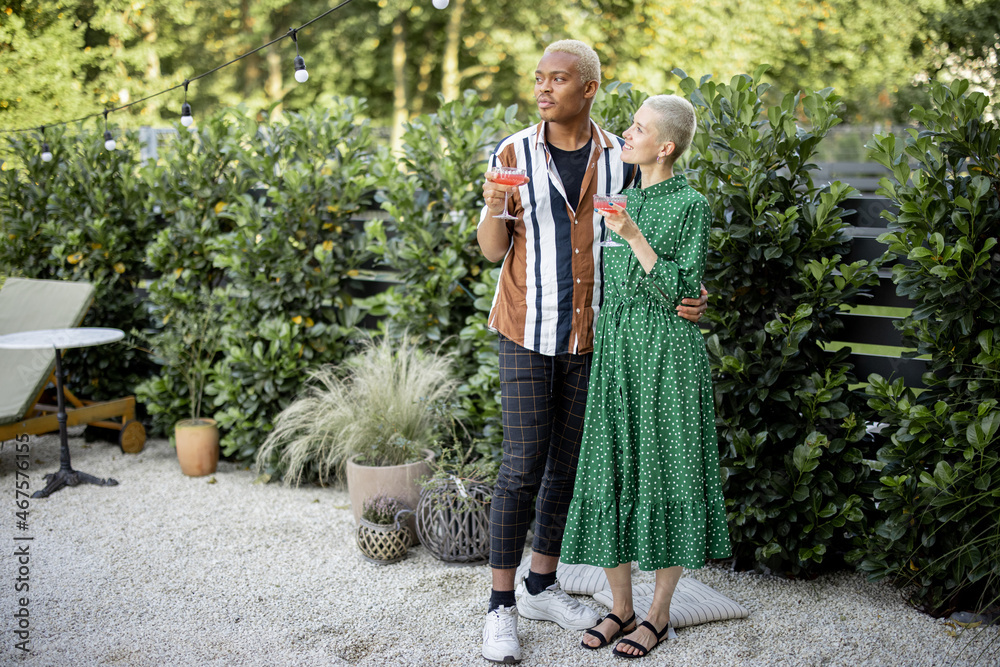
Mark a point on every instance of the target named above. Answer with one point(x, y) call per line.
point(648, 487)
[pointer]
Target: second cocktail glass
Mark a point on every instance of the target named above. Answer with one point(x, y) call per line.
point(605, 204)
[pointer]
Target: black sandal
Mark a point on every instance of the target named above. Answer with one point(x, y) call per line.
point(645, 651)
point(605, 642)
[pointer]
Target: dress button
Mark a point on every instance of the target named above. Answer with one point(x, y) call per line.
point(577, 251)
point(577, 280)
point(578, 310)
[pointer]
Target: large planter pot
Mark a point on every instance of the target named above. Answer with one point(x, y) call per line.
point(453, 520)
point(400, 482)
point(197, 443)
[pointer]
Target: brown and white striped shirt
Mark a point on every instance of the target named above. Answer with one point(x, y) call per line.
point(549, 293)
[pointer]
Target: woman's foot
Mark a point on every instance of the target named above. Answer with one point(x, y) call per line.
point(609, 629)
point(641, 641)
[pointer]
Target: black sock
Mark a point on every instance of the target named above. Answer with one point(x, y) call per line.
point(498, 598)
point(536, 583)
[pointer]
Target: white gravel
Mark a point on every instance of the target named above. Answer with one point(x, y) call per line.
point(170, 570)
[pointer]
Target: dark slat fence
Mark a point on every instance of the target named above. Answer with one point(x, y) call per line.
point(866, 225)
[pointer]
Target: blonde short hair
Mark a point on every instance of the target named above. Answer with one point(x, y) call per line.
point(589, 65)
point(675, 120)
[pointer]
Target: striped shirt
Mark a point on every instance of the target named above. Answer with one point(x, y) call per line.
point(549, 293)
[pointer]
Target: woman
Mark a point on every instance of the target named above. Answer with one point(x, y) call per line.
point(648, 487)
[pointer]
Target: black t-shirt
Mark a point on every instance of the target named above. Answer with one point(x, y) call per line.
point(571, 165)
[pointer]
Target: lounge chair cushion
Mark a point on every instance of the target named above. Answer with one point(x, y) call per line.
point(26, 305)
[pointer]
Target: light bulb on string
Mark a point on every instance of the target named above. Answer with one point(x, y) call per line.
point(301, 73)
point(46, 153)
point(109, 141)
point(440, 4)
point(186, 117)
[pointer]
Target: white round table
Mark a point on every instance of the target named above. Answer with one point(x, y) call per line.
point(63, 339)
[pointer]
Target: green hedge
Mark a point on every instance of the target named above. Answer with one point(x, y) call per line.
point(937, 527)
point(433, 196)
point(83, 216)
point(796, 485)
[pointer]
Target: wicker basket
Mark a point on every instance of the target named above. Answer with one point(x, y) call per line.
point(453, 520)
point(383, 544)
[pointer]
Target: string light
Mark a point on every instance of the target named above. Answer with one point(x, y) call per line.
point(186, 117)
point(109, 141)
point(46, 153)
point(301, 73)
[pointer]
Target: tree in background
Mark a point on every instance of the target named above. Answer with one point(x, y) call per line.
point(968, 44)
point(62, 59)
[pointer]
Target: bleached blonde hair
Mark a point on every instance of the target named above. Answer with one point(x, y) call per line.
point(589, 65)
point(674, 121)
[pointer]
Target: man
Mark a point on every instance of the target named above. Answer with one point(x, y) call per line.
point(547, 300)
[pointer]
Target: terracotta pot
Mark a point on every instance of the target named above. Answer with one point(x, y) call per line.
point(197, 446)
point(400, 482)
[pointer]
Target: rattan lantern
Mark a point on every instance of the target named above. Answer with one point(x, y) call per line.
point(384, 543)
point(453, 520)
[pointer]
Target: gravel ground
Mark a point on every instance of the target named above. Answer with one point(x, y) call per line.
point(169, 570)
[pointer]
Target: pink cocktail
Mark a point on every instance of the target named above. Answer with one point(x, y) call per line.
point(607, 203)
point(508, 176)
point(504, 178)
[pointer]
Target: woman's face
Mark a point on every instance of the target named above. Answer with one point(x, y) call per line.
point(642, 146)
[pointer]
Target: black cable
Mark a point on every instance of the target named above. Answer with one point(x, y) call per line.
point(291, 33)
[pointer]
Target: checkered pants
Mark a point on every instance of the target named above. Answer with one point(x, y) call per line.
point(543, 401)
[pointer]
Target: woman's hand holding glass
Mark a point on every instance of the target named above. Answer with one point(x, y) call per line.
point(617, 220)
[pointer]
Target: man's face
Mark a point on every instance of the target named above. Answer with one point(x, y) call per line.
point(560, 93)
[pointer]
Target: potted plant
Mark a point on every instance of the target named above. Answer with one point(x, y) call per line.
point(187, 346)
point(371, 419)
point(381, 535)
point(453, 514)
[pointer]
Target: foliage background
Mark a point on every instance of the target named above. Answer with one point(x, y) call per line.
point(63, 59)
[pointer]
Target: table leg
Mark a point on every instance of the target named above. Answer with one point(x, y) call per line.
point(66, 475)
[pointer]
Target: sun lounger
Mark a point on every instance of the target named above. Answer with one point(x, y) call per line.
point(27, 381)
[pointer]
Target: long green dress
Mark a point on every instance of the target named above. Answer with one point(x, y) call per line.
point(648, 487)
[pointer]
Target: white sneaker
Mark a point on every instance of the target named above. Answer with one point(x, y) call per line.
point(554, 604)
point(500, 642)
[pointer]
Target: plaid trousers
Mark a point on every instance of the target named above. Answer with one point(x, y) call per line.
point(543, 400)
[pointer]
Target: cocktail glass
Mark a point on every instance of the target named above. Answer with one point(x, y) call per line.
point(508, 176)
point(606, 204)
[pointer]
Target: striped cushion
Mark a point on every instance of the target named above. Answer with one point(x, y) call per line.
point(693, 603)
point(574, 579)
